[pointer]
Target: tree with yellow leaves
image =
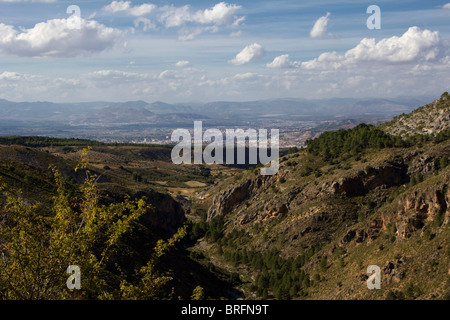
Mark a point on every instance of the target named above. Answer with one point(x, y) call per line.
point(36, 249)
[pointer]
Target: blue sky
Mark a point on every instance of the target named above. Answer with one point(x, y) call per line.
point(199, 51)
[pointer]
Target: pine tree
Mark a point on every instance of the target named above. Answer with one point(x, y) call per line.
point(443, 162)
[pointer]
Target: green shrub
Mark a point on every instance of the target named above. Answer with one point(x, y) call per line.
point(335, 144)
point(443, 162)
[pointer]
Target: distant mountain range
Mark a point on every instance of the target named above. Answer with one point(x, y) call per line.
point(141, 112)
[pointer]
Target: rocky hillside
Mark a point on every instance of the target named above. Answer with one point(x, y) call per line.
point(312, 230)
point(430, 119)
point(349, 200)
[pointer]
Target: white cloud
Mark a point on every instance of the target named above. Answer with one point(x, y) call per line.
point(58, 38)
point(281, 62)
point(415, 45)
point(320, 27)
point(251, 52)
point(249, 76)
point(146, 24)
point(236, 34)
point(220, 14)
point(20, 86)
point(446, 6)
point(111, 74)
point(185, 83)
point(141, 10)
point(174, 17)
point(111, 78)
point(182, 64)
point(168, 75)
point(209, 19)
point(119, 6)
point(11, 76)
point(186, 34)
point(238, 21)
point(412, 63)
point(177, 83)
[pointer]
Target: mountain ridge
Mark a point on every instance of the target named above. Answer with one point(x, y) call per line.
point(39, 110)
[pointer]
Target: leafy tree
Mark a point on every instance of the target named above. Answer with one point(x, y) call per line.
point(198, 293)
point(36, 249)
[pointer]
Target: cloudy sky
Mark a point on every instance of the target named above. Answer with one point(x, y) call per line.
point(200, 51)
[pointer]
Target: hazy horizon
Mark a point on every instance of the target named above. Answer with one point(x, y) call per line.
point(421, 97)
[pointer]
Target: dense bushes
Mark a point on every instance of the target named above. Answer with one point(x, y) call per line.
point(212, 230)
point(215, 228)
point(334, 144)
point(283, 278)
point(275, 276)
point(35, 141)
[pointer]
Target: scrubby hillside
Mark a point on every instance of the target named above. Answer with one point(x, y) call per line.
point(351, 199)
point(430, 119)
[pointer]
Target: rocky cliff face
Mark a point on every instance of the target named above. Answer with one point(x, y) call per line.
point(253, 190)
point(257, 199)
point(417, 208)
point(167, 215)
point(367, 180)
point(227, 200)
point(408, 215)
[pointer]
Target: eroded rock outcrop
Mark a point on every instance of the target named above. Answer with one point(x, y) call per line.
point(166, 214)
point(371, 178)
point(393, 272)
point(419, 207)
point(412, 213)
point(227, 200)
